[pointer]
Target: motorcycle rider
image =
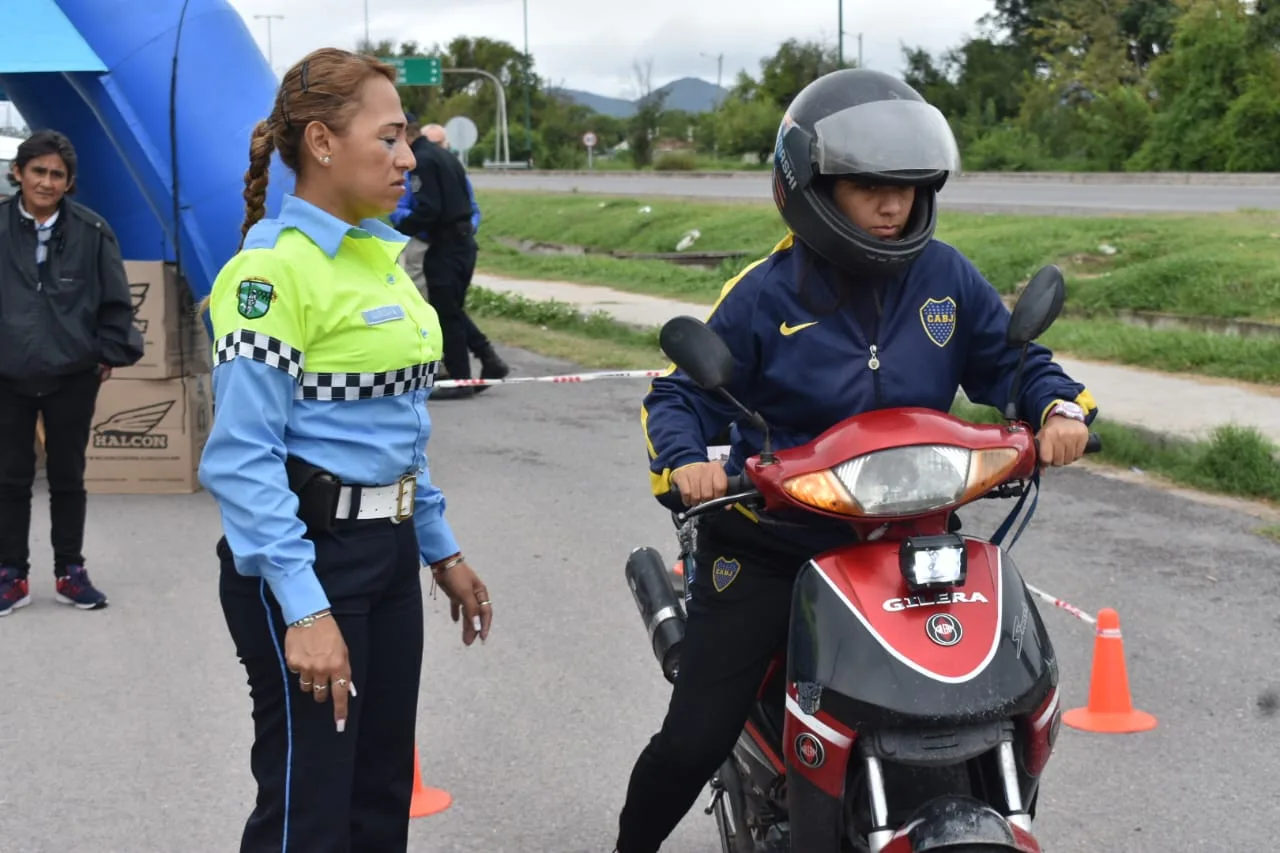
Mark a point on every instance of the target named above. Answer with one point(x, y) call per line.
point(858, 308)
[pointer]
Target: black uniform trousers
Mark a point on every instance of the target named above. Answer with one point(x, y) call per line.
point(68, 409)
point(739, 616)
point(448, 265)
point(320, 791)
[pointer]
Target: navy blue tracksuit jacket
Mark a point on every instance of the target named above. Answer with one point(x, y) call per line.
point(803, 360)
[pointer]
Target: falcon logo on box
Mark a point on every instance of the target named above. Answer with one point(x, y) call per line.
point(139, 293)
point(132, 429)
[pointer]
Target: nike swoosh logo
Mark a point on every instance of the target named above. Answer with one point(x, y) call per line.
point(791, 330)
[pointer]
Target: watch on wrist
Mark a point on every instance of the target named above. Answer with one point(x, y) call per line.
point(1068, 410)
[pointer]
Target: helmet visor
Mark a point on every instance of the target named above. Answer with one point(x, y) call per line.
point(886, 136)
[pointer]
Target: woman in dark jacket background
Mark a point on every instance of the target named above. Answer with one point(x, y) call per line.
point(66, 319)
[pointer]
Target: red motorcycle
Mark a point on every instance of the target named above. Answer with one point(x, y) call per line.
point(916, 704)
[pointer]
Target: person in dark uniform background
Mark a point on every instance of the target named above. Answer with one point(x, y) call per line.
point(325, 356)
point(442, 214)
point(66, 319)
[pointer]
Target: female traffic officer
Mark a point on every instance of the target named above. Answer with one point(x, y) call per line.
point(324, 355)
point(858, 308)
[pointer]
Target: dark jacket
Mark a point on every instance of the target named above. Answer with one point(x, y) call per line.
point(442, 201)
point(69, 314)
point(803, 358)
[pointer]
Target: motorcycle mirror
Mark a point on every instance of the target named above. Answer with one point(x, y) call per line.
point(695, 348)
point(1038, 306)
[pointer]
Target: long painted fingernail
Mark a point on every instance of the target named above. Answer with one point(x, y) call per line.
point(342, 726)
point(351, 688)
point(475, 622)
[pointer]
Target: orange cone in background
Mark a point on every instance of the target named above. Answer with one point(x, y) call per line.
point(1110, 709)
point(426, 801)
point(678, 569)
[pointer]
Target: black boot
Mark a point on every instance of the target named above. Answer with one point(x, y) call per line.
point(491, 364)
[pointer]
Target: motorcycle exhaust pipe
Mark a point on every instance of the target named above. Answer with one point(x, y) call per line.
point(660, 611)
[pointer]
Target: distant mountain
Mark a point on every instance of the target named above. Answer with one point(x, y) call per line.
point(689, 94)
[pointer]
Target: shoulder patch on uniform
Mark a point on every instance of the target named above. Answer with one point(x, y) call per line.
point(938, 316)
point(255, 298)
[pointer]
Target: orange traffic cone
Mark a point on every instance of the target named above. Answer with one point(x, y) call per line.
point(1110, 709)
point(678, 569)
point(426, 801)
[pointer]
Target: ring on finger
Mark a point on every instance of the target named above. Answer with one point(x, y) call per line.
point(321, 687)
point(304, 683)
point(341, 682)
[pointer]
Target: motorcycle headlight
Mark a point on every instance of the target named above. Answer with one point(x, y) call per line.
point(904, 480)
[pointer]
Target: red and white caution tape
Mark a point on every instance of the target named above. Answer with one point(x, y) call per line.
point(1058, 602)
point(565, 378)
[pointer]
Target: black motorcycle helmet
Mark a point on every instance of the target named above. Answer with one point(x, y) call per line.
point(873, 128)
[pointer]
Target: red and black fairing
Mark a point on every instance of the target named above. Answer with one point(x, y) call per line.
point(866, 677)
point(888, 657)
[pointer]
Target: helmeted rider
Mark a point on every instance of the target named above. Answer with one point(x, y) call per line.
point(858, 308)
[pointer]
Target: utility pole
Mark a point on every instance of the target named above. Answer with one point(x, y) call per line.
point(367, 45)
point(528, 110)
point(268, 19)
point(840, 30)
point(859, 50)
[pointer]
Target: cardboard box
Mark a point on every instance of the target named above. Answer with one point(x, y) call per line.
point(147, 436)
point(164, 313)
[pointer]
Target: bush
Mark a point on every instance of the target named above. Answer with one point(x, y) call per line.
point(676, 161)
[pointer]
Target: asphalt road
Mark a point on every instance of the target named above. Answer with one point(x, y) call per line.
point(127, 730)
point(967, 194)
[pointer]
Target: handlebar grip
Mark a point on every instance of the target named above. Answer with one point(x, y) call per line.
point(1094, 444)
point(673, 501)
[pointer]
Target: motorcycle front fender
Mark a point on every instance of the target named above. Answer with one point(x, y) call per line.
point(945, 822)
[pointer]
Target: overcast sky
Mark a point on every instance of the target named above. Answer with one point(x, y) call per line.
point(575, 45)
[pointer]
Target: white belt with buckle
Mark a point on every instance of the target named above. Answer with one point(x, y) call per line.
point(394, 501)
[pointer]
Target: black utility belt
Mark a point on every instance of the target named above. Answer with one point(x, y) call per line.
point(324, 500)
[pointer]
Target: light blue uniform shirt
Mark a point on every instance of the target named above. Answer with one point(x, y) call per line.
point(265, 406)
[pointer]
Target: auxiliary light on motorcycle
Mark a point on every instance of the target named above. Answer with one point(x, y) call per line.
point(904, 481)
point(931, 562)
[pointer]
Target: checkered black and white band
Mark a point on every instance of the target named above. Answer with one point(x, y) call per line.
point(364, 386)
point(244, 343)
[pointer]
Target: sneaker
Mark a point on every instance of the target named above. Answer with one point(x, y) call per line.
point(76, 589)
point(15, 591)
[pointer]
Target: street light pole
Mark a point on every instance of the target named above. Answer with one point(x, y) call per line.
point(367, 46)
point(840, 30)
point(270, 57)
point(528, 110)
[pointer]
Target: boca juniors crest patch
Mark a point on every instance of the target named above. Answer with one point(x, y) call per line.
point(724, 572)
point(939, 319)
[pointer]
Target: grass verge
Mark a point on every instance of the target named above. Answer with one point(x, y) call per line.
point(1245, 359)
point(1235, 461)
point(1222, 265)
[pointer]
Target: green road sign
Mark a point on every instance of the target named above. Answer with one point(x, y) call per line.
point(415, 70)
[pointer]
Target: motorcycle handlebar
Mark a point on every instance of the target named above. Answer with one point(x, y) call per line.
point(740, 484)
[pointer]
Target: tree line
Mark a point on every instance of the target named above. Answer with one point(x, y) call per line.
point(1063, 85)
